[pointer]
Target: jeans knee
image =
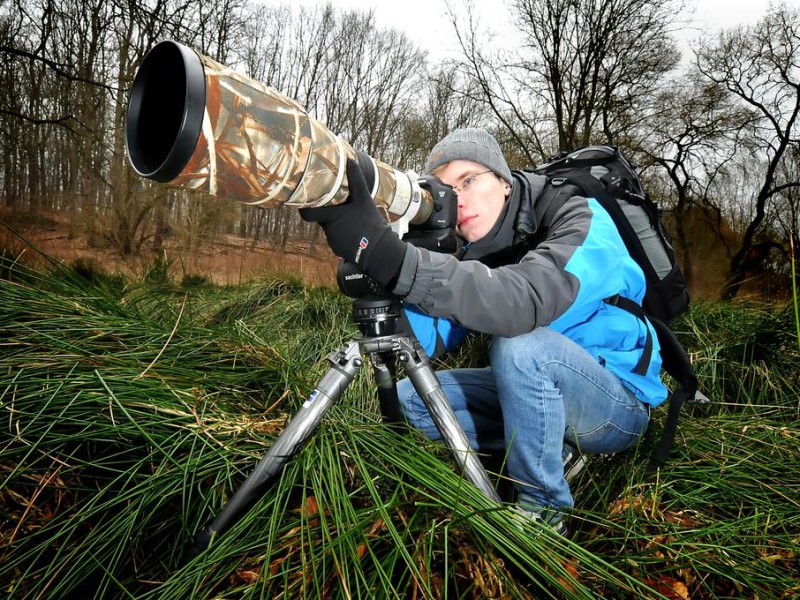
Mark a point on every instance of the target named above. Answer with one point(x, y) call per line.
point(529, 351)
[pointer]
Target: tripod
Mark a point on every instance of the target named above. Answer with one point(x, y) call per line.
point(377, 318)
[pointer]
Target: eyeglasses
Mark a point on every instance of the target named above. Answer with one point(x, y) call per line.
point(468, 181)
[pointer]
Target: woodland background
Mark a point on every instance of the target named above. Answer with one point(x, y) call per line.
point(132, 407)
point(713, 127)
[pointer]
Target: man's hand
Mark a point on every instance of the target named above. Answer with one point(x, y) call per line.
point(357, 233)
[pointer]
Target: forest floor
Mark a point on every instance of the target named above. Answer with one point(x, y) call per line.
point(232, 260)
point(229, 260)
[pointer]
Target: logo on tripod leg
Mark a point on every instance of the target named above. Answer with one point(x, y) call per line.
point(311, 398)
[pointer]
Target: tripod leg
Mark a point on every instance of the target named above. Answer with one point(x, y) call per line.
point(345, 364)
point(419, 371)
point(384, 368)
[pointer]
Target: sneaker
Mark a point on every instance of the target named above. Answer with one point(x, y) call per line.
point(555, 520)
point(574, 462)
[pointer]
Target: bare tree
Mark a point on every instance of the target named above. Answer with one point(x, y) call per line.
point(71, 63)
point(582, 72)
point(760, 66)
point(788, 213)
point(441, 107)
point(692, 135)
point(491, 81)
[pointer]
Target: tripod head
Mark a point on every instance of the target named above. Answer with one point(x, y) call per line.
point(375, 311)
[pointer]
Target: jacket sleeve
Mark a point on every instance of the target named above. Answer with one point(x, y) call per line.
point(507, 300)
point(579, 256)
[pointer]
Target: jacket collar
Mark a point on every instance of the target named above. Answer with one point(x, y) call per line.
point(517, 217)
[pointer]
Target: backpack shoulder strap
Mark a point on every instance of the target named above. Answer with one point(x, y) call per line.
point(544, 208)
point(675, 362)
point(635, 309)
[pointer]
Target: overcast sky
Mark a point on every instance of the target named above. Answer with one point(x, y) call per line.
point(426, 22)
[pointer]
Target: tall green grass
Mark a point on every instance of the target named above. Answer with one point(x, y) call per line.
point(131, 411)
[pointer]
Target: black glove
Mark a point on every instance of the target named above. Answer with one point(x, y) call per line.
point(357, 232)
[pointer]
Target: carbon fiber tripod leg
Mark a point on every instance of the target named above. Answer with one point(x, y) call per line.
point(345, 363)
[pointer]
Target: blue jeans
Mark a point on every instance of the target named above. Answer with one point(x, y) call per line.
point(541, 391)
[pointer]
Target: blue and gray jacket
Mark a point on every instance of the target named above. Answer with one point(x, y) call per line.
point(562, 282)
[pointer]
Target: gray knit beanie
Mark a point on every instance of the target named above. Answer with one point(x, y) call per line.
point(473, 144)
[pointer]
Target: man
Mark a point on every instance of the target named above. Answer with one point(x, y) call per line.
point(567, 365)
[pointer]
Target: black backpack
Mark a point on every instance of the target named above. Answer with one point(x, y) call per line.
point(603, 173)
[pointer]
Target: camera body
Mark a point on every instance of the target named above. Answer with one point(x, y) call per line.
point(438, 231)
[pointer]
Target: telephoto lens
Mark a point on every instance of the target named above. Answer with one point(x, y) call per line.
point(197, 124)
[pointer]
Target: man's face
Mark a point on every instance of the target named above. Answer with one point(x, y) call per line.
point(481, 196)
